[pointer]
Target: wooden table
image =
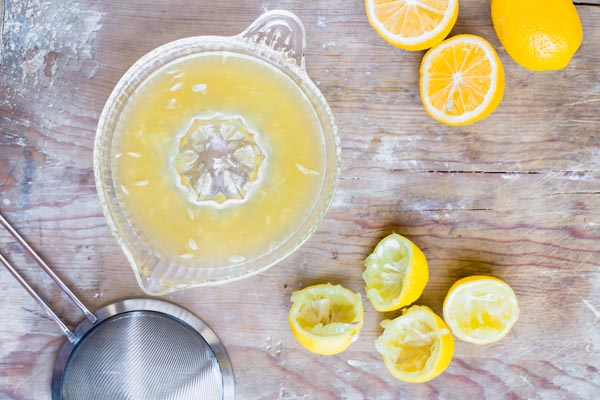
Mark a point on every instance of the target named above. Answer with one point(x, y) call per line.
point(516, 196)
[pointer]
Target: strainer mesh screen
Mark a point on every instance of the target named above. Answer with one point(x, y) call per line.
point(142, 355)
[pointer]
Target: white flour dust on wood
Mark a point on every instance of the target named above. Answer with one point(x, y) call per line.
point(41, 37)
point(46, 111)
point(392, 152)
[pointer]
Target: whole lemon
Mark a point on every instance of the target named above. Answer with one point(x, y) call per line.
point(538, 34)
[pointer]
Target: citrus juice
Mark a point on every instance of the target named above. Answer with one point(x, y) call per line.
point(218, 158)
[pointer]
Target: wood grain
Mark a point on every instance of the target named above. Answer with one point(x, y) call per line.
point(515, 195)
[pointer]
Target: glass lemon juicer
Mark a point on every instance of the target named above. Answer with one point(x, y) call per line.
point(216, 163)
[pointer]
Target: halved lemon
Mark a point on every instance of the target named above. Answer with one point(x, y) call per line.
point(412, 24)
point(326, 319)
point(462, 80)
point(481, 309)
point(396, 273)
point(417, 346)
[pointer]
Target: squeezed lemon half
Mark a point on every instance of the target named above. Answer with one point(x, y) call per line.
point(396, 273)
point(417, 346)
point(481, 309)
point(326, 319)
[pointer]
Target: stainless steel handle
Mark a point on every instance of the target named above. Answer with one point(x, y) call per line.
point(88, 314)
point(1, 25)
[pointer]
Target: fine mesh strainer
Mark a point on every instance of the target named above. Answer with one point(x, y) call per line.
point(134, 349)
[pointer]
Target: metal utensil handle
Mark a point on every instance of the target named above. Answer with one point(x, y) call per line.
point(88, 314)
point(1, 25)
point(70, 335)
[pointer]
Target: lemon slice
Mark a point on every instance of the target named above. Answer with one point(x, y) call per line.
point(396, 273)
point(462, 80)
point(481, 309)
point(412, 24)
point(326, 319)
point(417, 346)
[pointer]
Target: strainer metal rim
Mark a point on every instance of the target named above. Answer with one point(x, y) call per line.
point(160, 306)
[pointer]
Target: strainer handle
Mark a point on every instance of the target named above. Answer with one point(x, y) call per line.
point(88, 314)
point(281, 31)
point(70, 335)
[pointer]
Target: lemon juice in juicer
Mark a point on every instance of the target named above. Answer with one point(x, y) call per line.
point(217, 159)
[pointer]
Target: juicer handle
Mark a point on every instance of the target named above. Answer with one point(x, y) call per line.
point(281, 31)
